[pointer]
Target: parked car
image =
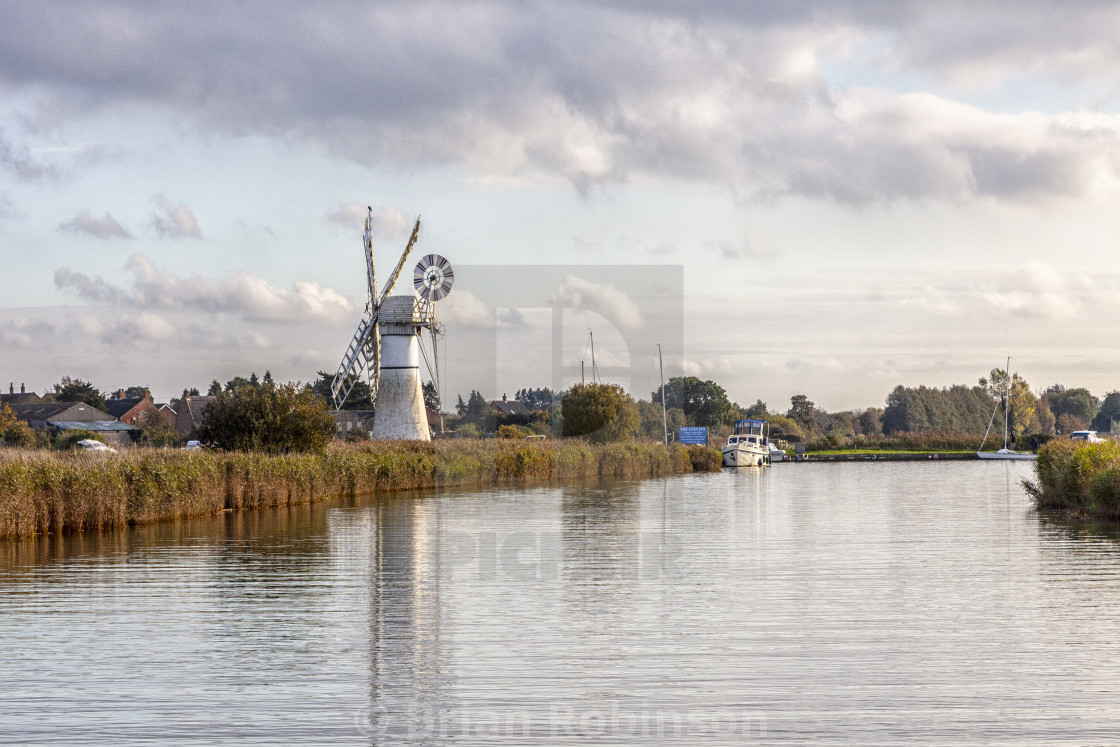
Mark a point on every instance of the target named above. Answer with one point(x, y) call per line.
point(1088, 436)
point(88, 444)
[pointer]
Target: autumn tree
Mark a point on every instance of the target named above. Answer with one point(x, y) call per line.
point(601, 412)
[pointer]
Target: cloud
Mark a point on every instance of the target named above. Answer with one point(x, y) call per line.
point(752, 247)
point(605, 300)
point(512, 319)
point(7, 207)
point(697, 91)
point(463, 308)
point(17, 160)
point(248, 296)
point(26, 334)
point(172, 221)
point(102, 228)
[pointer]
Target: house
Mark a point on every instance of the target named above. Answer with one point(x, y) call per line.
point(166, 415)
point(65, 416)
point(508, 407)
point(346, 421)
point(22, 397)
point(190, 412)
point(140, 412)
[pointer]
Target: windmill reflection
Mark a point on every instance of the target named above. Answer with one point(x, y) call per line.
point(407, 672)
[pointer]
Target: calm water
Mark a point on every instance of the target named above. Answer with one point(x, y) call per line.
point(859, 603)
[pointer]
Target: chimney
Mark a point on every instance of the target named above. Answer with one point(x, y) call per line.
point(120, 394)
point(147, 393)
point(22, 388)
point(12, 388)
point(504, 397)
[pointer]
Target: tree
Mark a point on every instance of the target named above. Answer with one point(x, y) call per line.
point(76, 390)
point(132, 392)
point(431, 398)
point(536, 399)
point(476, 404)
point(704, 402)
point(215, 388)
point(7, 417)
point(601, 412)
point(757, 411)
point(802, 411)
point(1023, 407)
point(360, 397)
point(1110, 408)
point(1078, 405)
point(267, 417)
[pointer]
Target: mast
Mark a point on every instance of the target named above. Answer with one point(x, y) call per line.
point(1006, 399)
point(664, 419)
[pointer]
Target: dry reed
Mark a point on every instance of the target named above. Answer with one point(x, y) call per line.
point(50, 492)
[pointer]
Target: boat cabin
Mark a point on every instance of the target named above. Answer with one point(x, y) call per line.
point(750, 433)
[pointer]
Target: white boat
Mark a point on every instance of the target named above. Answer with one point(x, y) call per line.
point(1005, 453)
point(748, 445)
point(776, 454)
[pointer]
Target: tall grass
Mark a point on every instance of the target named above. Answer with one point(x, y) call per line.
point(1079, 478)
point(44, 492)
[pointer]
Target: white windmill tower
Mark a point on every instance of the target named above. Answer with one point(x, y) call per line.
point(388, 344)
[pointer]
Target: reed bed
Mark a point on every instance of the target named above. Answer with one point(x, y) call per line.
point(51, 492)
point(1082, 479)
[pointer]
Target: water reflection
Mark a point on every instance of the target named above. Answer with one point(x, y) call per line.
point(862, 603)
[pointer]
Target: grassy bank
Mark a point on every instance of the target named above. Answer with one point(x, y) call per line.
point(43, 491)
point(1078, 478)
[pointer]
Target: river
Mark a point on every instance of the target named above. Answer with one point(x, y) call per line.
point(861, 603)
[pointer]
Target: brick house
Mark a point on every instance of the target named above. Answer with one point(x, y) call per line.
point(190, 412)
point(141, 412)
point(22, 397)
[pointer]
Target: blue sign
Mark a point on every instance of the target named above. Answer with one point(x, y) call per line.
point(693, 434)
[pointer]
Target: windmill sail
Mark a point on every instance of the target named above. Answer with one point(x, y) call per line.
point(364, 352)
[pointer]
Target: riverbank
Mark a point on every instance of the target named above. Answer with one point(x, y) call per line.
point(872, 455)
point(51, 492)
point(1079, 479)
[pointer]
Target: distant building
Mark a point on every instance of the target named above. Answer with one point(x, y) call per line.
point(66, 416)
point(190, 412)
point(22, 397)
point(138, 411)
point(348, 421)
point(166, 415)
point(506, 406)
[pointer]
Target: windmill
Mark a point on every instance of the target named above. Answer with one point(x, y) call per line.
point(387, 344)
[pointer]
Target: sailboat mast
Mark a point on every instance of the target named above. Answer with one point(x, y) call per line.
point(664, 420)
point(1006, 399)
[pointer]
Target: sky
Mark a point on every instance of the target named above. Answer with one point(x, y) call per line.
point(854, 195)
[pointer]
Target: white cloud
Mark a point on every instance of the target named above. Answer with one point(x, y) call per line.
point(174, 221)
point(105, 227)
point(244, 294)
point(463, 308)
point(605, 300)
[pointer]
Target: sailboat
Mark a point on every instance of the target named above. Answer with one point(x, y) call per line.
point(1004, 453)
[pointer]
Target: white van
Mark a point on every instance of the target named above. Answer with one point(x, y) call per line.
point(1087, 436)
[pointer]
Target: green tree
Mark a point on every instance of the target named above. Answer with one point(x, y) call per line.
point(431, 398)
point(536, 399)
point(703, 402)
point(601, 412)
point(132, 392)
point(802, 411)
point(360, 397)
point(1109, 409)
point(267, 417)
point(757, 411)
point(476, 404)
point(1078, 406)
point(215, 388)
point(76, 390)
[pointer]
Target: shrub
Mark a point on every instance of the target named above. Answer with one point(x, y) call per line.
point(69, 439)
point(601, 412)
point(267, 417)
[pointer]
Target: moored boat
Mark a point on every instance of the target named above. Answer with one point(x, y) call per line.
point(1005, 453)
point(748, 445)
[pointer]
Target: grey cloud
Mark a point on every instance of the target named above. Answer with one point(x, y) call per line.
point(102, 228)
point(7, 207)
point(248, 296)
point(174, 221)
point(18, 160)
point(722, 92)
